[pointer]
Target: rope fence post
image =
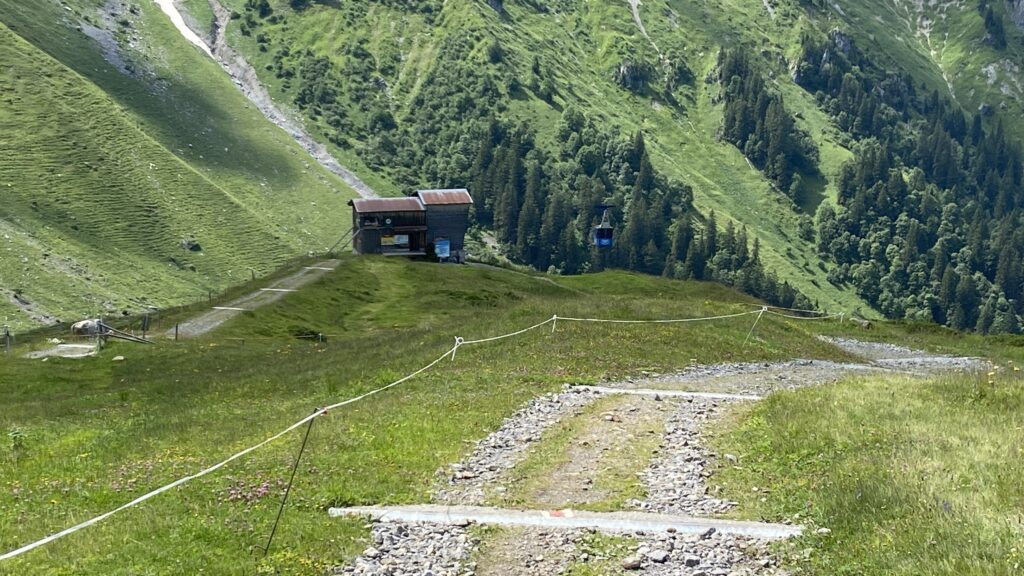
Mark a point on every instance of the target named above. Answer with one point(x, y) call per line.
point(756, 320)
point(554, 323)
point(291, 480)
point(459, 340)
point(8, 339)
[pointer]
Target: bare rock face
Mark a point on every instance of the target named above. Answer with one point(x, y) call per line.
point(1016, 10)
point(842, 41)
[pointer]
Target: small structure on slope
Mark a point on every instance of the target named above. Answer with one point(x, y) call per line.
point(430, 223)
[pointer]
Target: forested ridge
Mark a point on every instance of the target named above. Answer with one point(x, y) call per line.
point(925, 222)
point(929, 210)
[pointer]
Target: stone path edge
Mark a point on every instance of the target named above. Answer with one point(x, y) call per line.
point(668, 393)
point(568, 519)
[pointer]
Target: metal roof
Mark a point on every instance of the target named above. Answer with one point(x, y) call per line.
point(451, 196)
point(400, 204)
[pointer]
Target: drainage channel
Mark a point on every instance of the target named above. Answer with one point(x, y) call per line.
point(569, 519)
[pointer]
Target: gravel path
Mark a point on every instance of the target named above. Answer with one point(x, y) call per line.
point(464, 483)
point(526, 552)
point(606, 447)
point(209, 320)
point(401, 548)
point(710, 554)
point(675, 481)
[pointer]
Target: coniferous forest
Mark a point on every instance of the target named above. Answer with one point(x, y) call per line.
point(925, 226)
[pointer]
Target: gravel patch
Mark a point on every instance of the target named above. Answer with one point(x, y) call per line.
point(756, 378)
point(400, 549)
point(675, 481)
point(523, 552)
point(709, 554)
point(932, 364)
point(464, 482)
point(901, 358)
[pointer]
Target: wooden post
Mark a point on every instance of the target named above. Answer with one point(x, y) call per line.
point(209, 296)
point(8, 340)
point(251, 270)
point(175, 331)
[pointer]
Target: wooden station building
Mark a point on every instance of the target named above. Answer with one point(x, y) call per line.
point(430, 223)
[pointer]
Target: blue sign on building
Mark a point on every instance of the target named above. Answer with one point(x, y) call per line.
point(442, 248)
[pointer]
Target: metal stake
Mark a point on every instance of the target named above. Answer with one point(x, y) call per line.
point(288, 489)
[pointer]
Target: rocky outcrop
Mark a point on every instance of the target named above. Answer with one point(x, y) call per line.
point(1015, 8)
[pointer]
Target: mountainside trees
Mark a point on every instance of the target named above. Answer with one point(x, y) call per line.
point(756, 122)
point(929, 218)
point(925, 222)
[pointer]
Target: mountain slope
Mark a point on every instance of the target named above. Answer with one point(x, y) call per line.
point(133, 173)
point(414, 88)
point(406, 50)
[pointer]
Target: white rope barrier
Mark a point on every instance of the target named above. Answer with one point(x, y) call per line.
point(672, 321)
point(215, 467)
point(459, 341)
point(791, 317)
point(796, 310)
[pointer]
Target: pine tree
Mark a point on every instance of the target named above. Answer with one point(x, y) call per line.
point(528, 226)
point(693, 266)
point(967, 300)
point(710, 236)
point(987, 315)
point(555, 218)
point(681, 239)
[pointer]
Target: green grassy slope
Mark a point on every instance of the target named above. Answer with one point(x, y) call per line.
point(684, 139)
point(943, 45)
point(910, 476)
point(93, 433)
point(103, 173)
point(581, 45)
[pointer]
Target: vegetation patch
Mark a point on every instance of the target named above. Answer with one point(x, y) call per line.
point(890, 475)
point(85, 436)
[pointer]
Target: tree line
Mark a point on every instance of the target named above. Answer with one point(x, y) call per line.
point(928, 222)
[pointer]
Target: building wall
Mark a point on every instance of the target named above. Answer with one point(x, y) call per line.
point(369, 238)
point(448, 221)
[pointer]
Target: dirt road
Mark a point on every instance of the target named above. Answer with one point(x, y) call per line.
point(220, 314)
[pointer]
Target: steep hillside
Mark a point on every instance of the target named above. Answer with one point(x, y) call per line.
point(533, 105)
point(422, 67)
point(133, 173)
point(947, 45)
point(716, 131)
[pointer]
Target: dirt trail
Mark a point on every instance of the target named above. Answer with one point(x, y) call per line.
point(613, 435)
point(246, 79)
point(209, 320)
point(603, 451)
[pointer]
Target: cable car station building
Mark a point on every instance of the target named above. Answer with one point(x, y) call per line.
point(429, 223)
